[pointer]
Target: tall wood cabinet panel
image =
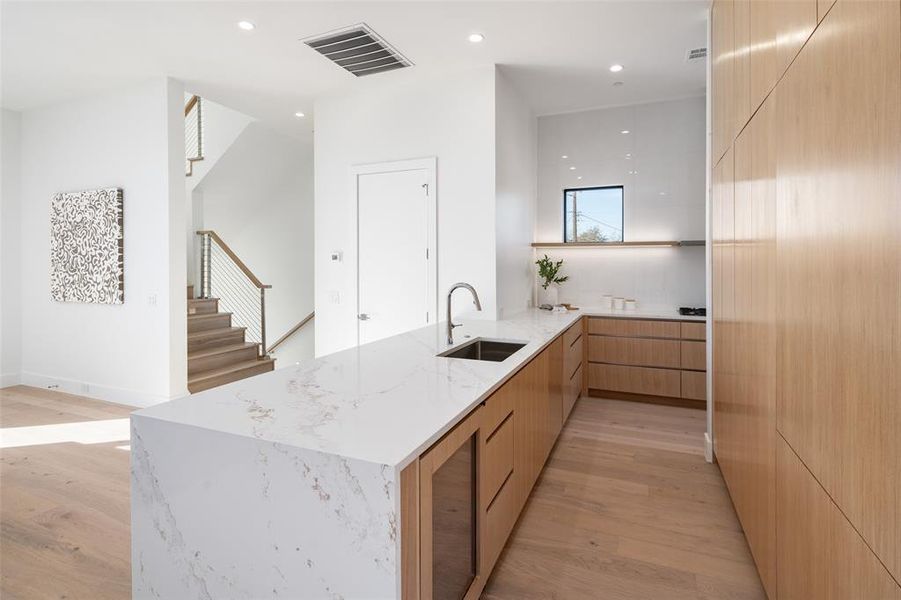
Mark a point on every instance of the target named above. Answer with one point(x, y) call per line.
point(762, 59)
point(795, 21)
point(725, 414)
point(820, 554)
point(751, 478)
point(741, 60)
point(839, 265)
point(722, 38)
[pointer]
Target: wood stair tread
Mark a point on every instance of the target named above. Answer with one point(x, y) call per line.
point(206, 352)
point(205, 316)
point(232, 368)
point(213, 333)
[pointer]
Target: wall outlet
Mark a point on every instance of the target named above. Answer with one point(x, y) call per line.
point(334, 297)
point(151, 300)
point(336, 256)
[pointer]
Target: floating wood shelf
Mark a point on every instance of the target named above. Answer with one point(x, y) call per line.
point(649, 244)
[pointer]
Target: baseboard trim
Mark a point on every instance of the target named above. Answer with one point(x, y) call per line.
point(92, 390)
point(10, 379)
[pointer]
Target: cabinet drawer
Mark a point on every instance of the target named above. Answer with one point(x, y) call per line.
point(499, 520)
point(694, 355)
point(498, 407)
point(498, 463)
point(694, 385)
point(634, 328)
point(572, 357)
point(572, 391)
point(572, 334)
point(694, 331)
point(634, 351)
point(634, 380)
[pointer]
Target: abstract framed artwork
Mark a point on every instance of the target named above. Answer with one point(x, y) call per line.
point(86, 247)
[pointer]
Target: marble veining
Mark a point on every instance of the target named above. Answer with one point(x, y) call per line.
point(286, 485)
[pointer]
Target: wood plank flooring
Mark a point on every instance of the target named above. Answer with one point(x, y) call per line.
point(625, 508)
point(64, 507)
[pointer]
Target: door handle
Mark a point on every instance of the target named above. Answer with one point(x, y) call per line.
point(363, 317)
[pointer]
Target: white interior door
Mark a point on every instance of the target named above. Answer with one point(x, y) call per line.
point(395, 235)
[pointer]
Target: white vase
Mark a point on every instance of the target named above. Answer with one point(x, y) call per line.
point(549, 295)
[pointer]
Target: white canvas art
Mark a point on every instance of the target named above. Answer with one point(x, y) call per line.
point(86, 247)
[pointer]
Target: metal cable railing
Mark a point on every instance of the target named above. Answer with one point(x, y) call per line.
point(224, 276)
point(193, 132)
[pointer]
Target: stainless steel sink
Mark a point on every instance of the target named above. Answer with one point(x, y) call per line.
point(484, 349)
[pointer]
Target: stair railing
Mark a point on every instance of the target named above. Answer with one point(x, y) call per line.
point(291, 332)
point(193, 132)
point(225, 276)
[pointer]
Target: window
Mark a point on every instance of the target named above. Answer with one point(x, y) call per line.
point(593, 214)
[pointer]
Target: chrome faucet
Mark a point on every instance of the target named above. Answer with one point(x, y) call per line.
point(451, 324)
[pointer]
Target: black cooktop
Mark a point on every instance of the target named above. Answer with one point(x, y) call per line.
point(692, 312)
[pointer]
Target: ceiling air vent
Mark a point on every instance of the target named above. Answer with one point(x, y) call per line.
point(359, 50)
point(696, 54)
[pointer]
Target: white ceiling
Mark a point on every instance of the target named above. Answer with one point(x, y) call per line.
point(556, 53)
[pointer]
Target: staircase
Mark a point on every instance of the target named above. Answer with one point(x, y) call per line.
point(218, 353)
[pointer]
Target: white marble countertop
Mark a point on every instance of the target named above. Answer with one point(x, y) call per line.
point(383, 402)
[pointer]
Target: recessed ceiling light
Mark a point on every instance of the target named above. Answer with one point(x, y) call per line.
point(475, 38)
point(624, 131)
point(299, 115)
point(663, 193)
point(616, 68)
point(564, 156)
point(246, 25)
point(579, 178)
point(572, 168)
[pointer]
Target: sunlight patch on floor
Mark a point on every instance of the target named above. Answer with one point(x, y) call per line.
point(85, 432)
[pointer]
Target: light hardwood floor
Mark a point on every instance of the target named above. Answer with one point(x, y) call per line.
point(64, 507)
point(626, 508)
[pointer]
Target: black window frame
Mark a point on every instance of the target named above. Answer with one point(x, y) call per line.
point(622, 211)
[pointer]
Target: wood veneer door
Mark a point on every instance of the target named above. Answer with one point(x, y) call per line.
point(820, 554)
point(839, 265)
point(725, 410)
point(751, 476)
point(722, 40)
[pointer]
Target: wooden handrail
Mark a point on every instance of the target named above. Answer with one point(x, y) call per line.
point(191, 103)
point(231, 254)
point(292, 331)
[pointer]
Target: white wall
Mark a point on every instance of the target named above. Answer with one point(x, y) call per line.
point(10, 268)
point(132, 353)
point(221, 127)
point(259, 198)
point(516, 182)
point(404, 116)
point(664, 200)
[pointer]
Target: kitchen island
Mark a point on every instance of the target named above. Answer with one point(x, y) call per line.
point(289, 484)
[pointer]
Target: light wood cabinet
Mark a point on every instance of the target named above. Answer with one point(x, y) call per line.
point(694, 385)
point(635, 380)
point(645, 357)
point(806, 286)
point(839, 268)
point(633, 328)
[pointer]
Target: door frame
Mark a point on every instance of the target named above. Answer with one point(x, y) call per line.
point(430, 165)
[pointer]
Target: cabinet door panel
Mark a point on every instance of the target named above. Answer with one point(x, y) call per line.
point(634, 351)
point(694, 355)
point(634, 380)
point(633, 328)
point(694, 385)
point(839, 268)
